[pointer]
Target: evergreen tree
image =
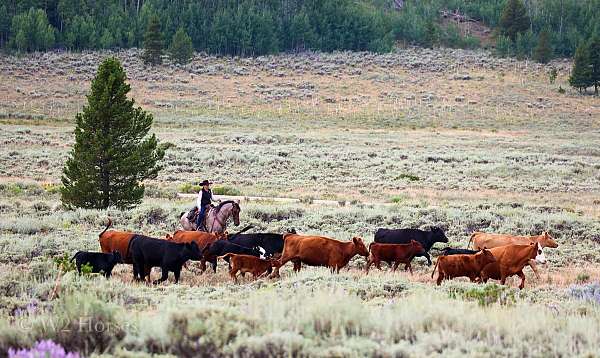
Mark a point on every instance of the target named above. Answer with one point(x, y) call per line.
point(581, 74)
point(514, 19)
point(543, 51)
point(31, 31)
point(594, 53)
point(153, 43)
point(113, 153)
point(431, 34)
point(181, 49)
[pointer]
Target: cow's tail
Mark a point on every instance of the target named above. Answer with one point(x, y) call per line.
point(241, 231)
point(226, 256)
point(434, 267)
point(108, 224)
point(74, 256)
point(471, 239)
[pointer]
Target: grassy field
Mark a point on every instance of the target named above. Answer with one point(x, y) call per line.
point(417, 138)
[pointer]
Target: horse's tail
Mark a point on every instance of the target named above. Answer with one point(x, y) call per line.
point(109, 224)
point(241, 231)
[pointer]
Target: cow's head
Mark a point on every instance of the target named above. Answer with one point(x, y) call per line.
point(546, 240)
point(438, 235)
point(539, 254)
point(260, 252)
point(485, 257)
point(417, 247)
point(193, 251)
point(116, 257)
point(359, 247)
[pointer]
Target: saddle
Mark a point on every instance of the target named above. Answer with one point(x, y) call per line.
point(194, 212)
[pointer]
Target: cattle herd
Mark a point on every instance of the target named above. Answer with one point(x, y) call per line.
point(494, 256)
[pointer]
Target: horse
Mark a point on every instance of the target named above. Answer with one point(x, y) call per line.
point(216, 217)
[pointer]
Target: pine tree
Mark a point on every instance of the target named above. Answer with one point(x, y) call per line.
point(181, 49)
point(543, 50)
point(153, 43)
point(431, 34)
point(514, 19)
point(113, 153)
point(581, 74)
point(594, 53)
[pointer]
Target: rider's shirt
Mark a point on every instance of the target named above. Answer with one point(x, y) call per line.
point(204, 198)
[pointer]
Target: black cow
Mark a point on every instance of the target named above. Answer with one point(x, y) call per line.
point(99, 261)
point(223, 247)
point(271, 243)
point(404, 236)
point(147, 252)
point(452, 251)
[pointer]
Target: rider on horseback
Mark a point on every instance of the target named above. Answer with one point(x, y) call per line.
point(205, 199)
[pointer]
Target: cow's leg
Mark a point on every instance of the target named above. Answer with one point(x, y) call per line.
point(233, 275)
point(428, 258)
point(533, 266)
point(369, 263)
point(297, 265)
point(395, 266)
point(440, 278)
point(409, 268)
point(378, 264)
point(202, 265)
point(213, 263)
point(522, 276)
point(177, 274)
point(164, 276)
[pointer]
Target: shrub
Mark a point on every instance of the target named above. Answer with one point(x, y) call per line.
point(409, 177)
point(487, 295)
point(64, 263)
point(81, 323)
point(589, 292)
point(583, 277)
point(226, 190)
point(42, 349)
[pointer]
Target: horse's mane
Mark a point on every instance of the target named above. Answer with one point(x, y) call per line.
point(223, 203)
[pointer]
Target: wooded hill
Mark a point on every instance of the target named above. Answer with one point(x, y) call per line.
point(256, 27)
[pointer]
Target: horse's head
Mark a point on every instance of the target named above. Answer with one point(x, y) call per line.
point(235, 212)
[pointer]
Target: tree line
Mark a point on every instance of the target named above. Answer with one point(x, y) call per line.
point(257, 27)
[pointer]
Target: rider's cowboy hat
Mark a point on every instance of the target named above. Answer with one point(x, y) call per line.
point(205, 182)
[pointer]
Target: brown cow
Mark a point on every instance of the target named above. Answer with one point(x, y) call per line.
point(510, 260)
point(201, 238)
point(396, 253)
point(248, 263)
point(462, 265)
point(319, 251)
point(116, 241)
point(483, 240)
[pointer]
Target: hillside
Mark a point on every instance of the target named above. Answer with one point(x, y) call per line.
point(419, 138)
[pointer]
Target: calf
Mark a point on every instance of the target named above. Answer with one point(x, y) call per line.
point(404, 236)
point(394, 253)
point(100, 262)
point(247, 263)
point(462, 265)
point(148, 252)
point(319, 251)
point(112, 240)
point(224, 247)
point(510, 260)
